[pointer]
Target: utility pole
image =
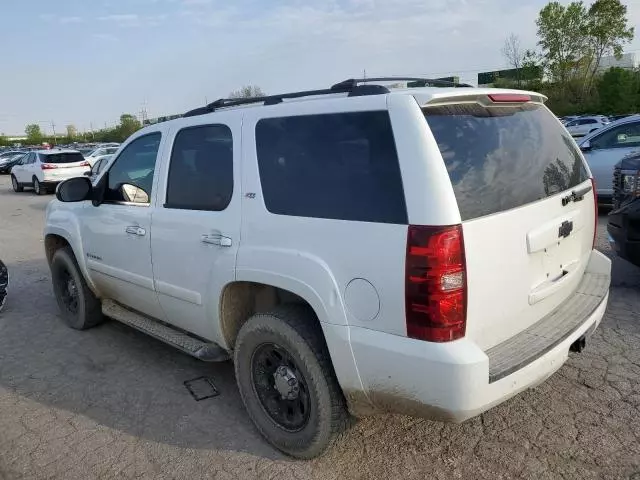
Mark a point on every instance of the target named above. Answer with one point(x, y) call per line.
point(53, 127)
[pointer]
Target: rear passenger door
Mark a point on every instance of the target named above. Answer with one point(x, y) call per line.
point(196, 227)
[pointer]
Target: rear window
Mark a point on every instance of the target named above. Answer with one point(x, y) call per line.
point(70, 157)
point(500, 158)
point(337, 166)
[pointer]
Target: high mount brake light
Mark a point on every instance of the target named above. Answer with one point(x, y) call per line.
point(509, 98)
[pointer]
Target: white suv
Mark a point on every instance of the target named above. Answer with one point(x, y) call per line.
point(585, 125)
point(45, 169)
point(353, 250)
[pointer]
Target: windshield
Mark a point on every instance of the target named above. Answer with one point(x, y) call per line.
point(500, 158)
point(68, 157)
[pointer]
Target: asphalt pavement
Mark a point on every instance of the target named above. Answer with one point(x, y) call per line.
point(111, 403)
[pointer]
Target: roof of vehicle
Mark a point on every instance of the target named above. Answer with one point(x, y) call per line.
point(436, 90)
point(54, 151)
point(621, 121)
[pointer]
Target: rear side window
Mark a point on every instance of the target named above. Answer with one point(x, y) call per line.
point(62, 157)
point(201, 169)
point(500, 158)
point(336, 166)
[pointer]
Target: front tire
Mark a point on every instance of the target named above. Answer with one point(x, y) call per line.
point(79, 307)
point(17, 186)
point(287, 382)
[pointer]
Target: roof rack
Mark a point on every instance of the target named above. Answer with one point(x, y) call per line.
point(420, 82)
point(350, 86)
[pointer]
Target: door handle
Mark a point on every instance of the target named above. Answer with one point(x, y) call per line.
point(216, 239)
point(133, 230)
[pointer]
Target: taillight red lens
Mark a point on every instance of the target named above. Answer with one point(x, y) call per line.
point(595, 202)
point(509, 98)
point(85, 164)
point(435, 283)
point(48, 166)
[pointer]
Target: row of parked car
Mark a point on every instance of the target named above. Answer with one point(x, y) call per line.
point(43, 170)
point(579, 126)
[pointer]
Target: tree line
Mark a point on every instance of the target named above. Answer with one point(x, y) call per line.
point(572, 41)
point(128, 125)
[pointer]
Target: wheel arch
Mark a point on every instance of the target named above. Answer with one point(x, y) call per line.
point(56, 238)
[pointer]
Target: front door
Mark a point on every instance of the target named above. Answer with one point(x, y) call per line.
point(117, 233)
point(607, 149)
point(196, 229)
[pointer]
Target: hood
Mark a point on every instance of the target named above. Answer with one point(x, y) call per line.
point(630, 162)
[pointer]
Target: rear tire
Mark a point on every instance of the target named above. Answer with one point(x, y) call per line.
point(284, 350)
point(37, 187)
point(17, 186)
point(79, 307)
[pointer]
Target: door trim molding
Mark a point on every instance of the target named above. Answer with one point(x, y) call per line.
point(178, 292)
point(120, 274)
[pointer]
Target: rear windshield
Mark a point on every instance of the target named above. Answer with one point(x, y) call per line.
point(500, 158)
point(70, 157)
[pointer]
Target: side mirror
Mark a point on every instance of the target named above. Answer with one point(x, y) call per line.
point(586, 146)
point(75, 189)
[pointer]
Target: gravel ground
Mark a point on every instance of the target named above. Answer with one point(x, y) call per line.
point(110, 402)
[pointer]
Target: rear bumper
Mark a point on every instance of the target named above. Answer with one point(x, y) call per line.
point(456, 381)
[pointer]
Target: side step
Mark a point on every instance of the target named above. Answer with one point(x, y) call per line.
point(201, 349)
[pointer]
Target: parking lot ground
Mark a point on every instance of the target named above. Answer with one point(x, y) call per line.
point(110, 402)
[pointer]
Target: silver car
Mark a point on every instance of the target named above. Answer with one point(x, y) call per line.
point(606, 147)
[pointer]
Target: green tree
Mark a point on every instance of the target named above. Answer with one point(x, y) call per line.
point(608, 31)
point(129, 124)
point(563, 36)
point(72, 132)
point(619, 91)
point(34, 134)
point(248, 91)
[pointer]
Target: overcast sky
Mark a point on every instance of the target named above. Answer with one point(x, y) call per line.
point(87, 61)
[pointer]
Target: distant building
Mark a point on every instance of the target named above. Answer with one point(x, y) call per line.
point(627, 60)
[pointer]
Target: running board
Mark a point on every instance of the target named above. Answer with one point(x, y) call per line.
point(200, 349)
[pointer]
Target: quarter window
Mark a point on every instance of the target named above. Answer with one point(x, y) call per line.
point(336, 166)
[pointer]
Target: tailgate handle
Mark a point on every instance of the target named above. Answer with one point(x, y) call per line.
point(547, 289)
point(565, 229)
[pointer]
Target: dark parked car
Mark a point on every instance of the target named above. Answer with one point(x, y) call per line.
point(624, 219)
point(8, 161)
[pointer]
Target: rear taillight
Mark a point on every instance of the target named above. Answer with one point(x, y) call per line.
point(85, 164)
point(595, 203)
point(48, 166)
point(435, 283)
point(509, 98)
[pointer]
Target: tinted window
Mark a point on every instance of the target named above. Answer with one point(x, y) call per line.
point(338, 166)
point(71, 157)
point(589, 121)
point(627, 135)
point(201, 170)
point(134, 169)
point(504, 157)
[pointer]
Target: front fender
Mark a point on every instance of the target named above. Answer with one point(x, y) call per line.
point(64, 223)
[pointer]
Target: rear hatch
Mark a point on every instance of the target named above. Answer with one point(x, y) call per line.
point(57, 166)
point(527, 208)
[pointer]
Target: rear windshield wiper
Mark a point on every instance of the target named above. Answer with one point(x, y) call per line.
point(576, 195)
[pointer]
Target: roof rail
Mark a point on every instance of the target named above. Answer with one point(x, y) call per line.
point(352, 90)
point(422, 82)
point(351, 86)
